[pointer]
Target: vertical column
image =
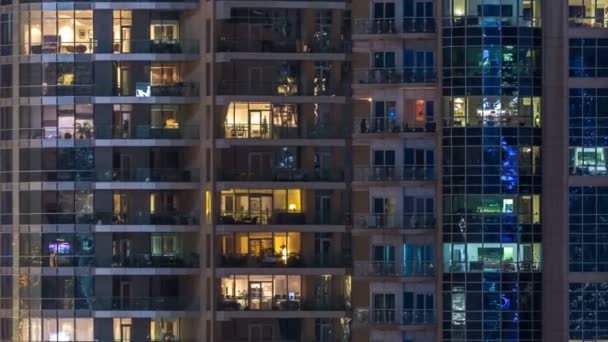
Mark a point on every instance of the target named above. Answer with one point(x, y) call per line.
point(555, 178)
point(15, 170)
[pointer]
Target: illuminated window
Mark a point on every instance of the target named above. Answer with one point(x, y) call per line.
point(165, 330)
point(57, 31)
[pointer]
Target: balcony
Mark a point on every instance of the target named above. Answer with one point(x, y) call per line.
point(392, 26)
point(394, 222)
point(232, 44)
point(281, 175)
point(270, 131)
point(163, 303)
point(116, 175)
point(272, 259)
point(386, 125)
point(364, 316)
point(394, 269)
point(405, 75)
point(143, 89)
point(394, 173)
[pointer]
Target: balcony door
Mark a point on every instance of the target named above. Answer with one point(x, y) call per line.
point(260, 208)
point(260, 333)
point(125, 294)
point(323, 208)
point(417, 259)
point(383, 310)
point(384, 259)
point(323, 248)
point(260, 166)
point(125, 39)
point(383, 210)
point(259, 123)
point(260, 295)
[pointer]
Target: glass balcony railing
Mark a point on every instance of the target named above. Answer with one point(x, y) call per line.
point(282, 217)
point(103, 132)
point(272, 259)
point(492, 266)
point(395, 75)
point(117, 175)
point(142, 89)
point(169, 217)
point(394, 26)
point(134, 261)
point(57, 90)
point(147, 132)
point(268, 131)
point(164, 46)
point(164, 303)
point(394, 269)
point(394, 221)
point(373, 124)
point(281, 175)
point(147, 89)
point(291, 88)
point(393, 316)
point(394, 173)
point(277, 303)
point(229, 44)
point(143, 260)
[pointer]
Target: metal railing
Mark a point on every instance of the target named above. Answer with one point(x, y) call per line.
point(270, 131)
point(281, 175)
point(282, 217)
point(134, 217)
point(395, 75)
point(394, 173)
point(393, 316)
point(143, 89)
point(116, 175)
point(394, 269)
point(231, 44)
point(492, 266)
point(392, 25)
point(394, 221)
point(373, 124)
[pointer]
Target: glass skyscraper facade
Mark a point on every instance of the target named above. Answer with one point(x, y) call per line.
point(492, 241)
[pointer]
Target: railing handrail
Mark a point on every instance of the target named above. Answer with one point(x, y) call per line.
point(394, 316)
point(405, 268)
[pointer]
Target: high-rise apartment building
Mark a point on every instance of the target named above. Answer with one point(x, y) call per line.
point(304, 170)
